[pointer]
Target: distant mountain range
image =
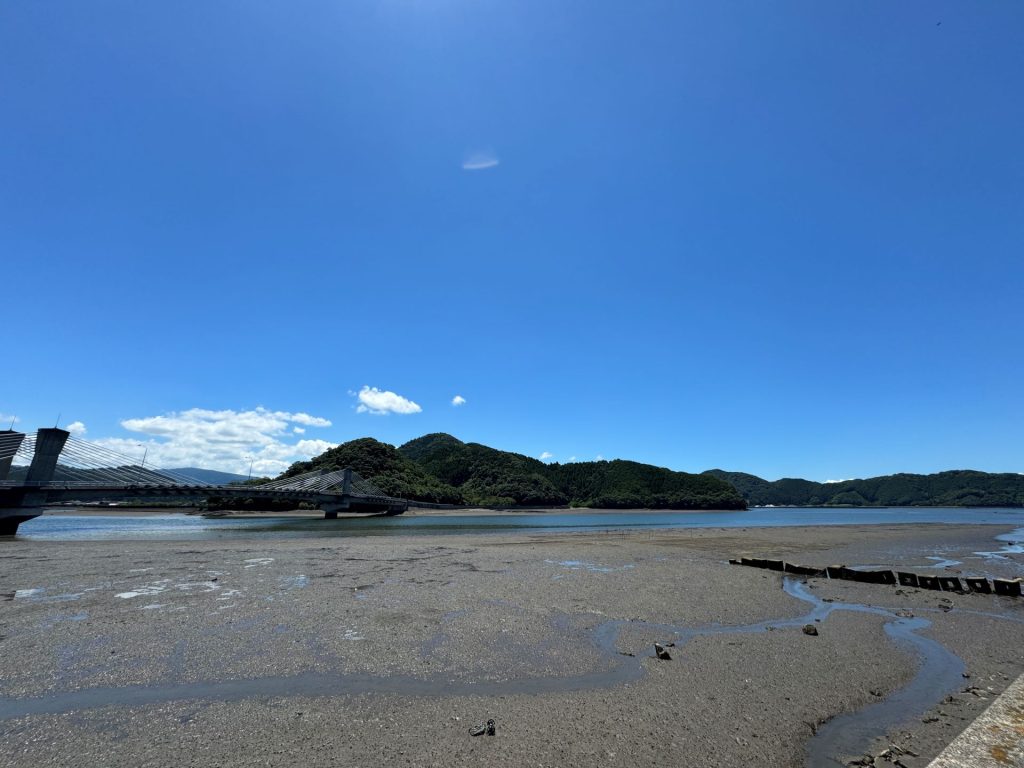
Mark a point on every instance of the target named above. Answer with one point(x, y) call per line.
point(75, 474)
point(956, 488)
point(441, 468)
point(209, 475)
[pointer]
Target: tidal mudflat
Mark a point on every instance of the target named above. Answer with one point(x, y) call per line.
point(374, 650)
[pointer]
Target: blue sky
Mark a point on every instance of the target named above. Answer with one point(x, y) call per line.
point(784, 238)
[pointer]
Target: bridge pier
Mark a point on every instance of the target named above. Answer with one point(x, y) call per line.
point(331, 510)
point(10, 519)
point(19, 503)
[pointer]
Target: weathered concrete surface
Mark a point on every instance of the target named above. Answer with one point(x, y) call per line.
point(995, 739)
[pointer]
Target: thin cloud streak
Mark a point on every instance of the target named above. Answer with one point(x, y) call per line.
point(480, 161)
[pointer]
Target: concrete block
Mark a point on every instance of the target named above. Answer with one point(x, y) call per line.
point(886, 577)
point(1007, 587)
point(907, 579)
point(979, 584)
point(774, 565)
point(877, 577)
point(838, 572)
point(928, 582)
point(803, 570)
point(951, 584)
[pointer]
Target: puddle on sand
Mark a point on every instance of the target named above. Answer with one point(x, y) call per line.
point(582, 565)
point(1014, 546)
point(939, 673)
point(39, 595)
point(294, 582)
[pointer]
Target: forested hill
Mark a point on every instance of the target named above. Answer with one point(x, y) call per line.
point(945, 489)
point(441, 468)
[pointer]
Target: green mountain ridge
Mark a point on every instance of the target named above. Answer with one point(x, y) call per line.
point(440, 468)
point(953, 488)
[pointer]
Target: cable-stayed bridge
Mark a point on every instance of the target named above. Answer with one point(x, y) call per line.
point(53, 467)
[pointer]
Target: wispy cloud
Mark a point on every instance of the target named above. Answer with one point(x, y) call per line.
point(76, 428)
point(220, 439)
point(546, 455)
point(382, 402)
point(7, 419)
point(480, 160)
point(309, 421)
point(599, 457)
point(838, 481)
point(458, 400)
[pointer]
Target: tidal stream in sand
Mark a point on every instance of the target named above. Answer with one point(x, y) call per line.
point(939, 673)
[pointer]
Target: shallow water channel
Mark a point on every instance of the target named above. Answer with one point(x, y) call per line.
point(182, 527)
point(939, 673)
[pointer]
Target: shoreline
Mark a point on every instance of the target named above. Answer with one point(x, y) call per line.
point(86, 511)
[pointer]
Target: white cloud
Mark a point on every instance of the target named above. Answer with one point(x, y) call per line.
point(381, 402)
point(571, 459)
point(7, 419)
point(458, 400)
point(220, 440)
point(546, 455)
point(838, 481)
point(309, 421)
point(599, 457)
point(298, 430)
point(480, 160)
point(76, 428)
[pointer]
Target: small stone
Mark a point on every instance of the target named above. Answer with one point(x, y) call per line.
point(661, 652)
point(810, 629)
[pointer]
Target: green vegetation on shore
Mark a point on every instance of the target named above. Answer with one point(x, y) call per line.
point(442, 469)
point(956, 488)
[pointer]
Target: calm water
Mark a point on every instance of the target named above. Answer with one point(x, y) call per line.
point(187, 527)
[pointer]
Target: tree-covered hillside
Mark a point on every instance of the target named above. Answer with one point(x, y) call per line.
point(485, 475)
point(441, 468)
point(953, 488)
point(385, 466)
point(489, 476)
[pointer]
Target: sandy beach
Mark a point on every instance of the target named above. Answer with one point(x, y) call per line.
point(377, 650)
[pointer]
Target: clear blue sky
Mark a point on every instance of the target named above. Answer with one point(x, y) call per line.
point(784, 238)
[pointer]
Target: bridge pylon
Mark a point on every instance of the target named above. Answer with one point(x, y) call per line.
point(10, 442)
point(49, 443)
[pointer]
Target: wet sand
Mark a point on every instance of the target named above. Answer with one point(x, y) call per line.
point(376, 650)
